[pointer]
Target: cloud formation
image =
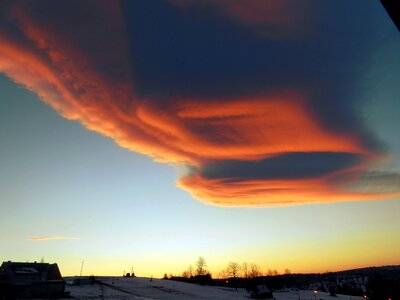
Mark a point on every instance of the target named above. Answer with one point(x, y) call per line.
point(55, 238)
point(274, 19)
point(257, 120)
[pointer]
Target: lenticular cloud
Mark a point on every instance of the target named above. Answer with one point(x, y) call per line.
point(275, 126)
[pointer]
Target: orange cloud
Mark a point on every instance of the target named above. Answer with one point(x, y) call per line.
point(262, 193)
point(261, 127)
point(55, 238)
point(82, 72)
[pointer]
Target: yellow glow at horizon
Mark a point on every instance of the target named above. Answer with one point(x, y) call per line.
point(319, 255)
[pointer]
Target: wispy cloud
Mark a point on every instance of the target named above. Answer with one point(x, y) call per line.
point(271, 18)
point(53, 238)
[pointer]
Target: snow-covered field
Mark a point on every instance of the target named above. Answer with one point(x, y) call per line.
point(145, 289)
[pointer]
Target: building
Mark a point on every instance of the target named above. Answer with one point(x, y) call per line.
point(31, 280)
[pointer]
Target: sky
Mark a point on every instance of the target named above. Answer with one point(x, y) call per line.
point(145, 134)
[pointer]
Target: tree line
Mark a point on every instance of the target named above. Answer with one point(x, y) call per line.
point(233, 270)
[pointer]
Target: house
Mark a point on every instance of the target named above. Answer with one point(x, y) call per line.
point(31, 280)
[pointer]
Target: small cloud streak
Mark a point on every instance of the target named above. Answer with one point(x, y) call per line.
point(277, 144)
point(54, 238)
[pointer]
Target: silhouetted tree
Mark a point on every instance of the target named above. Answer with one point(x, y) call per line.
point(233, 269)
point(255, 271)
point(201, 266)
point(223, 274)
point(189, 272)
point(273, 272)
point(245, 270)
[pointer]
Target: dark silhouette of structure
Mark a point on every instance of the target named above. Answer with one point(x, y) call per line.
point(260, 292)
point(393, 9)
point(26, 280)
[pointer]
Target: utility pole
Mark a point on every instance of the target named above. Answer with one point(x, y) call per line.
point(81, 269)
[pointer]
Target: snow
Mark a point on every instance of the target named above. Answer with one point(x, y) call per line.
point(146, 289)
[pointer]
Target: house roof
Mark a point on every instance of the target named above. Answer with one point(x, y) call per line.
point(52, 271)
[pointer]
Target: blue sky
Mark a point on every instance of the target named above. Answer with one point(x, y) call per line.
point(63, 178)
point(58, 179)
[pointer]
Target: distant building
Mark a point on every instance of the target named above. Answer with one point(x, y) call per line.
point(31, 280)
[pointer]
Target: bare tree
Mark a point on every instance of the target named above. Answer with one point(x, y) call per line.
point(201, 266)
point(233, 269)
point(255, 271)
point(185, 274)
point(189, 272)
point(287, 271)
point(273, 272)
point(245, 270)
point(223, 274)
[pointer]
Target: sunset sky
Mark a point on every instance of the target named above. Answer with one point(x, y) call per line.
point(148, 133)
